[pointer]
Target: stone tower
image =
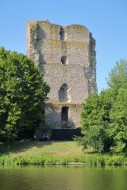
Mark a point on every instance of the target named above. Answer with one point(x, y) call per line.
point(67, 58)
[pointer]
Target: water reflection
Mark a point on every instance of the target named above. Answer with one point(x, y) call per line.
point(63, 178)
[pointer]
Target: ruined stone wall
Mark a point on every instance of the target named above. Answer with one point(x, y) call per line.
point(53, 115)
point(72, 75)
point(48, 44)
point(44, 44)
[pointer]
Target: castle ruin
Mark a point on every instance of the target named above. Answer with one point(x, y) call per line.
point(67, 59)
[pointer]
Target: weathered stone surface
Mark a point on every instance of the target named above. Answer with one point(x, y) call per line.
point(66, 57)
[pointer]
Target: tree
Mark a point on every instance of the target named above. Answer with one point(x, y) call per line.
point(104, 116)
point(118, 75)
point(95, 120)
point(117, 130)
point(23, 93)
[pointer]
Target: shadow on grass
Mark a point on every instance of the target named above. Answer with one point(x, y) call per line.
point(21, 146)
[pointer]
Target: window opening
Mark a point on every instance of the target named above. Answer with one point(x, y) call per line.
point(64, 113)
point(64, 60)
point(62, 33)
point(64, 93)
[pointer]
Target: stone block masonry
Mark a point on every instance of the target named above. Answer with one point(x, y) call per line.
point(67, 58)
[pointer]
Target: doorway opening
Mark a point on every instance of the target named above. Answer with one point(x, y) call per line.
point(64, 113)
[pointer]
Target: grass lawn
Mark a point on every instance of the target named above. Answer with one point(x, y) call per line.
point(54, 152)
point(37, 148)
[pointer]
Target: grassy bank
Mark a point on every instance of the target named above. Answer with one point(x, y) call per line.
point(41, 153)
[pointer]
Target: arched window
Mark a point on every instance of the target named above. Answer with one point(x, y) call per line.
point(64, 113)
point(64, 60)
point(64, 93)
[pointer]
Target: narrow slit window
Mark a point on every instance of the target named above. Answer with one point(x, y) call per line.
point(64, 113)
point(62, 33)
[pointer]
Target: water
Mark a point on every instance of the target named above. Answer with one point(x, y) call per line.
point(63, 178)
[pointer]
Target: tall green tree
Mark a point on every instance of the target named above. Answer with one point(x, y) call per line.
point(23, 93)
point(95, 121)
point(118, 75)
point(104, 116)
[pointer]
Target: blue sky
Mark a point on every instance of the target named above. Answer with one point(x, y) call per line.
point(106, 19)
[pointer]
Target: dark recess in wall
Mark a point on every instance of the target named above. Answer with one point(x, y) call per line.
point(65, 134)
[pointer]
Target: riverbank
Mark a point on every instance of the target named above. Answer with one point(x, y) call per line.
point(54, 153)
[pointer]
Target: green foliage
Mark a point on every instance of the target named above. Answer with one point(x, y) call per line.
point(104, 116)
point(22, 95)
point(95, 121)
point(44, 159)
point(118, 76)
